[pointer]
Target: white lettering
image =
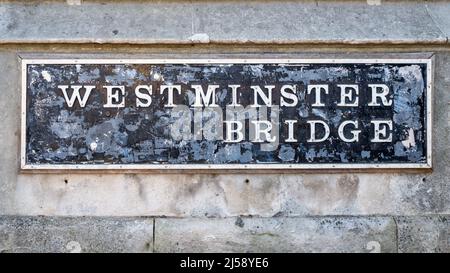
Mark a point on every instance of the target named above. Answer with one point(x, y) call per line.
point(382, 95)
point(76, 94)
point(290, 124)
point(382, 132)
point(313, 131)
point(267, 99)
point(355, 133)
point(202, 99)
point(347, 95)
point(266, 131)
point(317, 88)
point(170, 89)
point(143, 96)
point(113, 99)
point(292, 96)
point(231, 131)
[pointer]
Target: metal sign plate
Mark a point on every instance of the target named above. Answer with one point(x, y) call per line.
point(226, 113)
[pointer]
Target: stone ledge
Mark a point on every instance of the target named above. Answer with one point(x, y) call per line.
point(224, 22)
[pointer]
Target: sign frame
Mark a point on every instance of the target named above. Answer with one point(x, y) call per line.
point(24, 166)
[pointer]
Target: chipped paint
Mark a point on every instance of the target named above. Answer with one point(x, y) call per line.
point(57, 134)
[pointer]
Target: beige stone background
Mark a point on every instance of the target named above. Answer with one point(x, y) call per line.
point(302, 211)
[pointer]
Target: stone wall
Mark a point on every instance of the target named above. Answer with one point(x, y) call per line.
point(301, 211)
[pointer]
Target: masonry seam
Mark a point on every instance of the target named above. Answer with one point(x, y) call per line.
point(397, 242)
point(153, 237)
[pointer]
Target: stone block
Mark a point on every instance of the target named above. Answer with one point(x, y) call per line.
point(279, 234)
point(75, 235)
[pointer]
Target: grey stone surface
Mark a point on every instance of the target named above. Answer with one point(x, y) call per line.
point(9, 132)
point(316, 21)
point(361, 194)
point(440, 13)
point(424, 234)
point(441, 154)
point(218, 22)
point(321, 234)
point(224, 194)
point(314, 211)
point(162, 22)
point(75, 235)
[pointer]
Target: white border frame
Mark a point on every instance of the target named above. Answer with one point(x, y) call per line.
point(260, 166)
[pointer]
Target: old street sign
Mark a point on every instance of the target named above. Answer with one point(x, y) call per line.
point(226, 113)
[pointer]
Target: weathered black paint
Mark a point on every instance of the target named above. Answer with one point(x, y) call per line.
point(56, 134)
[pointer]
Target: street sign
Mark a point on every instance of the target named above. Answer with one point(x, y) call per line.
point(226, 113)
